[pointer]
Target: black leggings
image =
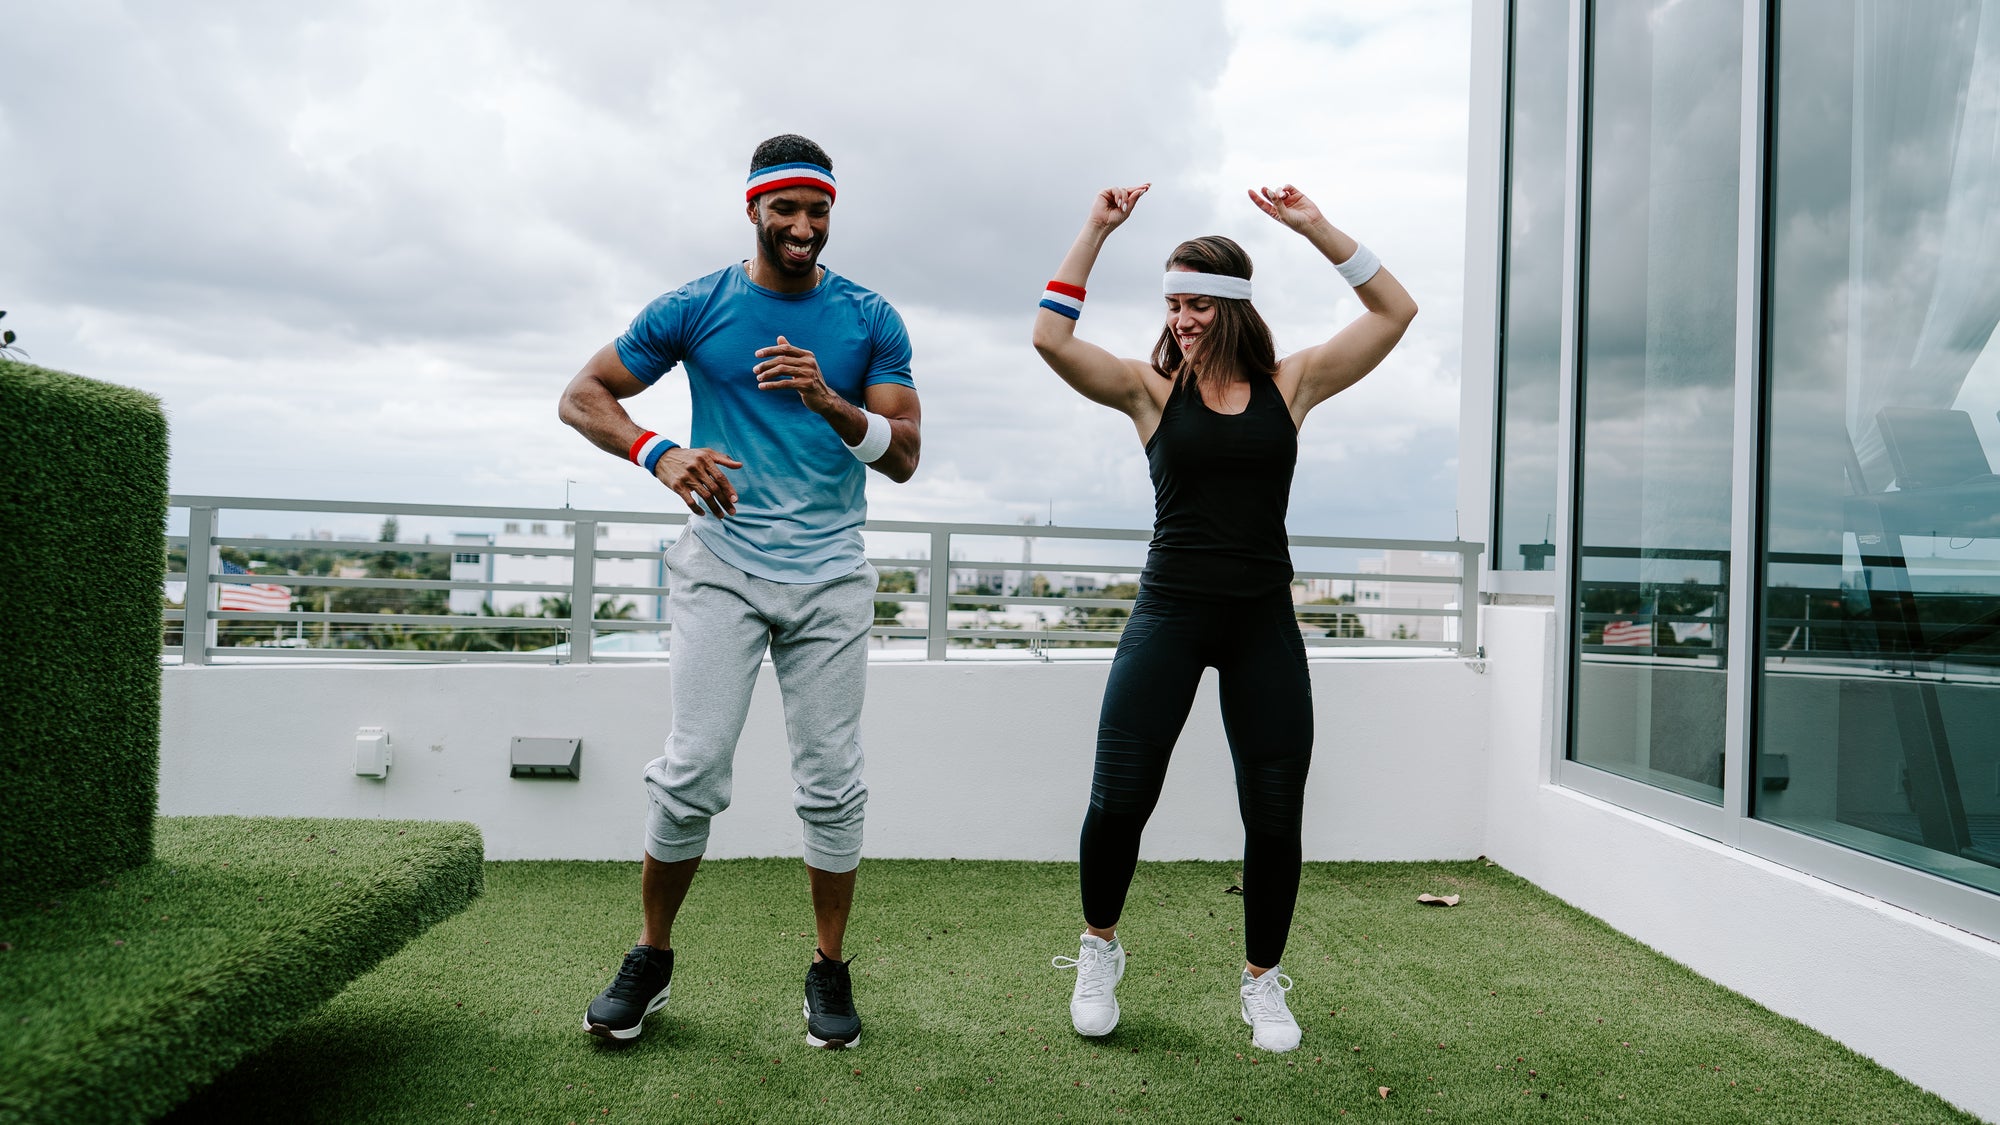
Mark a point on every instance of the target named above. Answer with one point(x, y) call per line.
point(1267, 714)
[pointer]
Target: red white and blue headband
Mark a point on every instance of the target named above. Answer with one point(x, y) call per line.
point(777, 177)
point(1190, 283)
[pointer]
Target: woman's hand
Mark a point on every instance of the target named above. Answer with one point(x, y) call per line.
point(1289, 206)
point(1114, 205)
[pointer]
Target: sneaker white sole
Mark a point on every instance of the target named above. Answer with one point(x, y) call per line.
point(1293, 1046)
point(605, 1031)
point(831, 1044)
point(1108, 1028)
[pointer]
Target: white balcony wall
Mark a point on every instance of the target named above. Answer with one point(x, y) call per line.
point(967, 759)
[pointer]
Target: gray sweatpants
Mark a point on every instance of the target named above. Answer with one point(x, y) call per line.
point(722, 622)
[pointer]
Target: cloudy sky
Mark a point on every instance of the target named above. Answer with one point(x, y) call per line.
point(357, 256)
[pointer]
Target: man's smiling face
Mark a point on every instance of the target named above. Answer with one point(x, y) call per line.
point(791, 228)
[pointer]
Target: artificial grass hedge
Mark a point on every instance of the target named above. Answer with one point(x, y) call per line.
point(82, 516)
point(121, 997)
point(1510, 1007)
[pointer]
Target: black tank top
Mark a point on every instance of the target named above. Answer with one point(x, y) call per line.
point(1221, 483)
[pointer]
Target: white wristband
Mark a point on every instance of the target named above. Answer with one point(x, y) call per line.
point(875, 442)
point(1359, 268)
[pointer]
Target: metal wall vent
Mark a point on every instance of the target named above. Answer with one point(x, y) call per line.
point(546, 757)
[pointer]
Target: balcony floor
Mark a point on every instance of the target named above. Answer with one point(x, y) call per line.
point(1508, 1007)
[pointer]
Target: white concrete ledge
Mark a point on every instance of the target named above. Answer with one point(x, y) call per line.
point(967, 759)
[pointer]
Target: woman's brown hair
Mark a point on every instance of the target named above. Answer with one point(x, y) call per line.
point(1238, 339)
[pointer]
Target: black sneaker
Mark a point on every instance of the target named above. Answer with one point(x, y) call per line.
point(639, 990)
point(831, 1020)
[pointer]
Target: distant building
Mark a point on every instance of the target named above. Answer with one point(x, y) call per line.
point(511, 557)
point(1081, 584)
point(1391, 594)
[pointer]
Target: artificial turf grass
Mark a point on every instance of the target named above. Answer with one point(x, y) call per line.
point(964, 1019)
point(85, 509)
point(118, 998)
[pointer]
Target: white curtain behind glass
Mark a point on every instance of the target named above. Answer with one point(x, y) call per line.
point(1924, 223)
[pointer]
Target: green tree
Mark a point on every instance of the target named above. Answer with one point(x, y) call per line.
point(519, 640)
point(1037, 587)
point(1109, 618)
point(893, 582)
point(1336, 624)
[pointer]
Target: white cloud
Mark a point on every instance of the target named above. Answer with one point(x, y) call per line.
point(358, 257)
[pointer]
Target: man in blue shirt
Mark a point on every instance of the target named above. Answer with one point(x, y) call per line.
point(799, 379)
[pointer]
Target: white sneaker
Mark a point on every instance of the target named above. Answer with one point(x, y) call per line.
point(1093, 1004)
point(1272, 1027)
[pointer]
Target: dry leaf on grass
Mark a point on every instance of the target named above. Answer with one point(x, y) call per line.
point(1232, 889)
point(1438, 900)
point(1382, 1091)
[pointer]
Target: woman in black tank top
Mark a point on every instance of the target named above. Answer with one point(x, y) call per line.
point(1219, 416)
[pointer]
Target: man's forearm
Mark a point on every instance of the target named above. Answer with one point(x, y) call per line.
point(850, 424)
point(597, 414)
point(848, 420)
point(899, 463)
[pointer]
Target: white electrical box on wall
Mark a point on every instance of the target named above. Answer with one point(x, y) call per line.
point(371, 752)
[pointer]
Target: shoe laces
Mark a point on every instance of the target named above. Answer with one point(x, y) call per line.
point(1093, 970)
point(1265, 997)
point(630, 982)
point(833, 985)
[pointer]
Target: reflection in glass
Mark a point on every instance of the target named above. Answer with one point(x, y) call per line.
point(1880, 686)
point(1531, 284)
point(1656, 384)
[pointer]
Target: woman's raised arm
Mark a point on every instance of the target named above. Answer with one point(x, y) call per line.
point(1326, 369)
point(1095, 373)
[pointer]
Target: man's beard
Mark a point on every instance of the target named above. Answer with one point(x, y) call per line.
point(770, 244)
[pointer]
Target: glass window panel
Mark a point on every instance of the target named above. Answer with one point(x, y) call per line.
point(1656, 382)
point(1531, 285)
point(1879, 690)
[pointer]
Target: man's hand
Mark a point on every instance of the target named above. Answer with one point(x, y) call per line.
point(788, 367)
point(696, 477)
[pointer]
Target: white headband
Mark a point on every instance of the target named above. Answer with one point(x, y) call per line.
point(1180, 282)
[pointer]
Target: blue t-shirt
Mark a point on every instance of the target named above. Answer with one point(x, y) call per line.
point(800, 498)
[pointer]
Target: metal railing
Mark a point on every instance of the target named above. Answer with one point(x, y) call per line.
point(957, 613)
point(1643, 621)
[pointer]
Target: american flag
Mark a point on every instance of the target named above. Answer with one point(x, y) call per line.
point(261, 597)
point(1627, 633)
point(1685, 631)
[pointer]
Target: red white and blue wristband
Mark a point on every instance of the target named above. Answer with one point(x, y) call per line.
point(648, 450)
point(1063, 299)
point(777, 177)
